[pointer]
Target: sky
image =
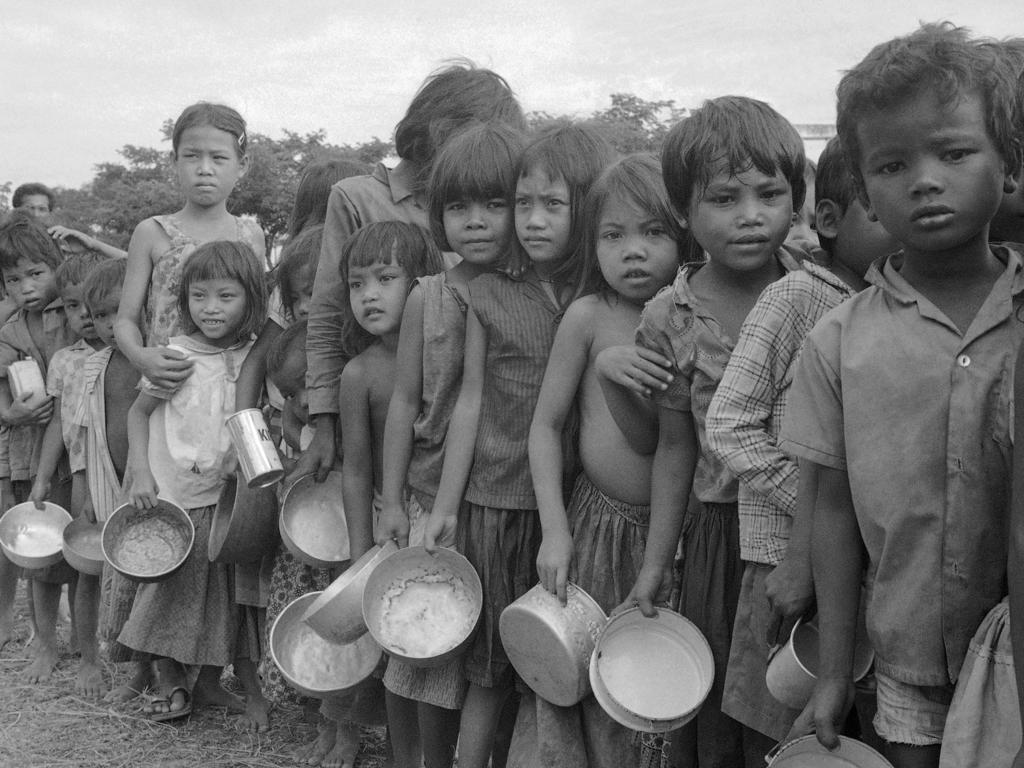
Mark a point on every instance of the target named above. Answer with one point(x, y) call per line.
point(81, 82)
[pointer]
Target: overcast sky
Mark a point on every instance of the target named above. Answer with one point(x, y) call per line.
point(80, 82)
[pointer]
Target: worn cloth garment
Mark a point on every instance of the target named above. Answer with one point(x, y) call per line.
point(65, 379)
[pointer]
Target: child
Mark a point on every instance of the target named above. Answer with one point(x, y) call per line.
point(734, 170)
point(64, 383)
point(485, 494)
point(632, 249)
point(314, 190)
point(743, 425)
point(209, 152)
point(902, 393)
point(190, 618)
point(471, 214)
point(29, 260)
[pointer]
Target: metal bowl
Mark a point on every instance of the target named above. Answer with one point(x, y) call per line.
point(148, 544)
point(421, 607)
point(337, 614)
point(244, 527)
point(807, 751)
point(82, 546)
point(550, 644)
point(312, 665)
point(312, 521)
point(32, 537)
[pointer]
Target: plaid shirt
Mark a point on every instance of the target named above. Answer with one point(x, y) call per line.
point(747, 411)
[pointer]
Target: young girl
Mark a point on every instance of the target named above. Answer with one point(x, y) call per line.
point(632, 251)
point(191, 618)
point(491, 510)
point(471, 214)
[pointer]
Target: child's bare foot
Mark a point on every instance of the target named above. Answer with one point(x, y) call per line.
point(257, 714)
point(205, 694)
point(346, 745)
point(313, 754)
point(90, 682)
point(140, 681)
point(7, 629)
point(42, 665)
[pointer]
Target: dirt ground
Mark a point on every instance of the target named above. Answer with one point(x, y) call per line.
point(48, 726)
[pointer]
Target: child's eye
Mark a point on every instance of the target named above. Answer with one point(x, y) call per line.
point(554, 202)
point(888, 169)
point(957, 154)
point(772, 194)
point(522, 202)
point(611, 236)
point(498, 203)
point(657, 232)
point(455, 206)
point(721, 199)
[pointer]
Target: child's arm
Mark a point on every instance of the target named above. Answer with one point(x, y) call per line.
point(142, 487)
point(461, 439)
point(291, 427)
point(402, 412)
point(1015, 565)
point(93, 244)
point(357, 448)
point(16, 413)
point(254, 369)
point(566, 364)
point(671, 478)
point(49, 455)
point(162, 366)
point(628, 375)
point(6, 487)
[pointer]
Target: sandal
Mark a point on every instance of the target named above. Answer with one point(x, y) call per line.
point(166, 698)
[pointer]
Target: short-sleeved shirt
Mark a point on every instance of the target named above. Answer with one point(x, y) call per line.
point(749, 406)
point(676, 325)
point(918, 415)
point(65, 380)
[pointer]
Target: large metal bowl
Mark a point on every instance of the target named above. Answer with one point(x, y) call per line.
point(312, 665)
point(32, 537)
point(337, 614)
point(312, 522)
point(148, 544)
point(550, 644)
point(244, 527)
point(82, 546)
point(422, 608)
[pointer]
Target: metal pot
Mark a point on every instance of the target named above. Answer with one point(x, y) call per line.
point(148, 544)
point(312, 521)
point(244, 526)
point(32, 537)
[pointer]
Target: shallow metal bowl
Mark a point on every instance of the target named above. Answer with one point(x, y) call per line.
point(148, 544)
point(312, 665)
point(82, 546)
point(337, 614)
point(312, 521)
point(244, 527)
point(422, 608)
point(32, 537)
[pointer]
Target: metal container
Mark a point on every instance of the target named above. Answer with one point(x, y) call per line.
point(83, 547)
point(312, 665)
point(257, 454)
point(550, 644)
point(244, 527)
point(24, 377)
point(337, 614)
point(651, 674)
point(31, 537)
point(148, 544)
point(806, 752)
point(422, 608)
point(312, 522)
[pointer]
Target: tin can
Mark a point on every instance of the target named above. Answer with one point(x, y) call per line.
point(257, 454)
point(24, 377)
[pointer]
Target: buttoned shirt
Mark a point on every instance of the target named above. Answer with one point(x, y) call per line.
point(918, 415)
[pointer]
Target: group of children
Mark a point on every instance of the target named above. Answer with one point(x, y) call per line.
point(574, 366)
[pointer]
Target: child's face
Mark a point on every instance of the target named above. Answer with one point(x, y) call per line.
point(77, 314)
point(104, 314)
point(37, 205)
point(543, 217)
point(377, 294)
point(478, 230)
point(932, 174)
point(32, 284)
point(302, 294)
point(858, 239)
point(741, 219)
point(208, 164)
point(636, 254)
point(217, 307)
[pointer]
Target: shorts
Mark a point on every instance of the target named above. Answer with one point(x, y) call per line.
point(911, 714)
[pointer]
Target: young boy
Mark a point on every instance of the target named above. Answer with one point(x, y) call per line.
point(64, 384)
point(743, 426)
point(902, 393)
point(29, 260)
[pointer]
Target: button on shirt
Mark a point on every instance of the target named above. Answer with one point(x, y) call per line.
point(918, 415)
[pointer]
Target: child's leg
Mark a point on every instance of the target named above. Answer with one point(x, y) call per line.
point(87, 602)
point(257, 709)
point(72, 614)
point(313, 754)
point(439, 733)
point(346, 746)
point(170, 678)
point(908, 756)
point(208, 691)
point(480, 715)
point(46, 598)
point(403, 730)
point(141, 679)
point(8, 589)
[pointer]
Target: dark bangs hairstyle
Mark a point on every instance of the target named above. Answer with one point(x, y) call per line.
point(314, 190)
point(635, 180)
point(575, 153)
point(104, 282)
point(384, 242)
point(477, 164)
point(215, 115)
point(739, 132)
point(300, 253)
point(23, 236)
point(834, 181)
point(229, 260)
point(288, 348)
point(938, 59)
point(76, 268)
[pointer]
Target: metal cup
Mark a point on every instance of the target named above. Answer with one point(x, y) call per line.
point(257, 454)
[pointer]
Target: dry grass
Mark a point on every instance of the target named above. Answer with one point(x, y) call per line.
point(48, 725)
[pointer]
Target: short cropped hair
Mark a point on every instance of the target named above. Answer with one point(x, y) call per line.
point(479, 163)
point(231, 260)
point(103, 281)
point(289, 346)
point(23, 236)
point(301, 252)
point(940, 59)
point(76, 268)
point(314, 190)
point(834, 181)
point(743, 133)
point(32, 188)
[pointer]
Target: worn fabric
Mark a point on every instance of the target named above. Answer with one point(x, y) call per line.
point(747, 411)
point(117, 595)
point(918, 415)
point(911, 714)
point(65, 379)
point(105, 488)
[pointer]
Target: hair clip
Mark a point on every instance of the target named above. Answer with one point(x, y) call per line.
point(241, 140)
